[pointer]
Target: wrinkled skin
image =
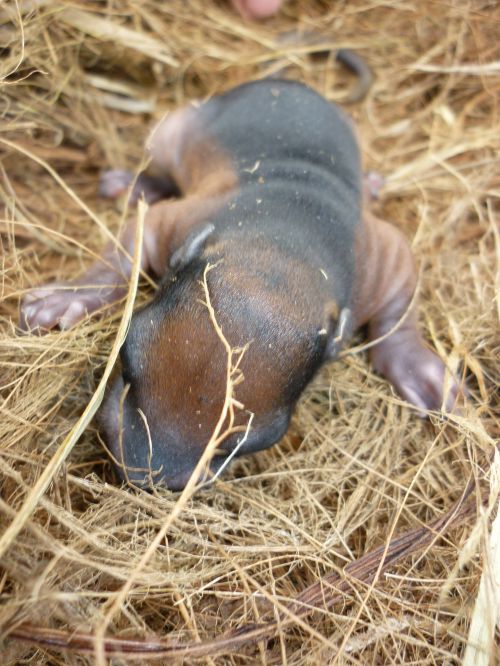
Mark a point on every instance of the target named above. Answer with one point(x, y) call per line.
point(274, 203)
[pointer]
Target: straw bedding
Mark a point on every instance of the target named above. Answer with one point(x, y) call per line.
point(82, 84)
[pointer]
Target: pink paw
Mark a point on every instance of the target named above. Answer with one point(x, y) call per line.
point(115, 182)
point(419, 376)
point(373, 182)
point(58, 305)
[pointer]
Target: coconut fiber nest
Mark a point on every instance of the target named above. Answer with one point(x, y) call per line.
point(368, 535)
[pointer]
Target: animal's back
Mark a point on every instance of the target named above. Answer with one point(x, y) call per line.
point(278, 120)
point(299, 176)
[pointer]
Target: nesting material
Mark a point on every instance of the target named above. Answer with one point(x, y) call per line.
point(351, 542)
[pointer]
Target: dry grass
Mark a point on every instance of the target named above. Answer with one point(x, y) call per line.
point(81, 84)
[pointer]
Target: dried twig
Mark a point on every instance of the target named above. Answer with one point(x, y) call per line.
point(323, 594)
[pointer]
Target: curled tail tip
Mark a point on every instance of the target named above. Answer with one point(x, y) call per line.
point(361, 69)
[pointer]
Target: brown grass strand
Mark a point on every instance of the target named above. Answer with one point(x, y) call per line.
point(325, 593)
point(289, 539)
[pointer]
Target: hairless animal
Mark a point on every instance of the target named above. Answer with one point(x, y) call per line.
point(264, 182)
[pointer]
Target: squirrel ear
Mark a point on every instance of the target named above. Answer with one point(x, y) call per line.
point(191, 248)
point(339, 330)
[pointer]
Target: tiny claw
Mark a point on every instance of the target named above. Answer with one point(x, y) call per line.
point(73, 314)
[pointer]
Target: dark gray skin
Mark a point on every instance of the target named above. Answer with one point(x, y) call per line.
point(269, 180)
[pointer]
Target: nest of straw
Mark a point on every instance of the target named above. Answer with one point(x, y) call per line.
point(352, 539)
